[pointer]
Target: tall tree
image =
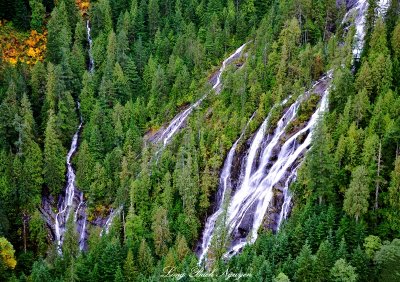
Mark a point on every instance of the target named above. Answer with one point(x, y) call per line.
point(59, 34)
point(38, 14)
point(54, 155)
point(356, 197)
point(160, 228)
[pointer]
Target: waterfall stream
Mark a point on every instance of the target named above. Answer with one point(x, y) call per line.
point(225, 187)
point(72, 196)
point(178, 121)
point(267, 163)
point(271, 161)
point(73, 199)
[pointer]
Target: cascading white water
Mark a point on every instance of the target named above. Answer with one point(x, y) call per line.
point(67, 203)
point(254, 190)
point(383, 6)
point(358, 13)
point(252, 198)
point(179, 120)
point(224, 187)
point(110, 220)
point(72, 194)
point(248, 206)
point(287, 197)
point(89, 39)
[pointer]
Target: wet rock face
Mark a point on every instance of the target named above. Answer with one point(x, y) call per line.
point(271, 218)
point(349, 3)
point(46, 209)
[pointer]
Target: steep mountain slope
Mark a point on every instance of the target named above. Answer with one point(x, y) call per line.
point(210, 139)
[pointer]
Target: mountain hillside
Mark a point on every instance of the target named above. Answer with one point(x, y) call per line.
point(199, 140)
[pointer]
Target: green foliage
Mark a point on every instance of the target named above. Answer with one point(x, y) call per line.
point(342, 271)
point(387, 258)
point(38, 14)
point(54, 152)
point(356, 197)
point(153, 59)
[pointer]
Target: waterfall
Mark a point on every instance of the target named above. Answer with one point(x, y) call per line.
point(268, 162)
point(178, 121)
point(272, 161)
point(252, 198)
point(110, 219)
point(357, 12)
point(89, 39)
point(71, 194)
point(73, 199)
point(224, 187)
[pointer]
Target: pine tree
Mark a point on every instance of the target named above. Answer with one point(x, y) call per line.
point(160, 228)
point(305, 264)
point(394, 196)
point(38, 14)
point(361, 263)
point(356, 197)
point(342, 272)
point(145, 258)
point(86, 96)
point(54, 154)
point(134, 228)
point(8, 111)
point(77, 60)
point(84, 167)
point(66, 118)
point(38, 84)
point(54, 89)
point(21, 15)
point(70, 245)
point(119, 277)
point(154, 17)
point(59, 33)
point(361, 107)
point(387, 258)
point(120, 84)
point(40, 271)
point(323, 261)
point(129, 267)
point(182, 249)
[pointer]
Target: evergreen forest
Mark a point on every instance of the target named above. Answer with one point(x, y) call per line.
point(199, 140)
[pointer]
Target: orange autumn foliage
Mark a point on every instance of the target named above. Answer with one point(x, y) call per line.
point(23, 47)
point(83, 6)
point(28, 47)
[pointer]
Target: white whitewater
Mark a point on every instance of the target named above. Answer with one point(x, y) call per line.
point(72, 193)
point(225, 187)
point(110, 220)
point(89, 39)
point(252, 198)
point(179, 119)
point(67, 203)
point(287, 197)
point(254, 191)
point(357, 12)
point(270, 164)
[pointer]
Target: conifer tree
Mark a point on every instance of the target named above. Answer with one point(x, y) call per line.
point(305, 264)
point(38, 14)
point(54, 154)
point(356, 197)
point(160, 228)
point(145, 258)
point(59, 33)
point(342, 271)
